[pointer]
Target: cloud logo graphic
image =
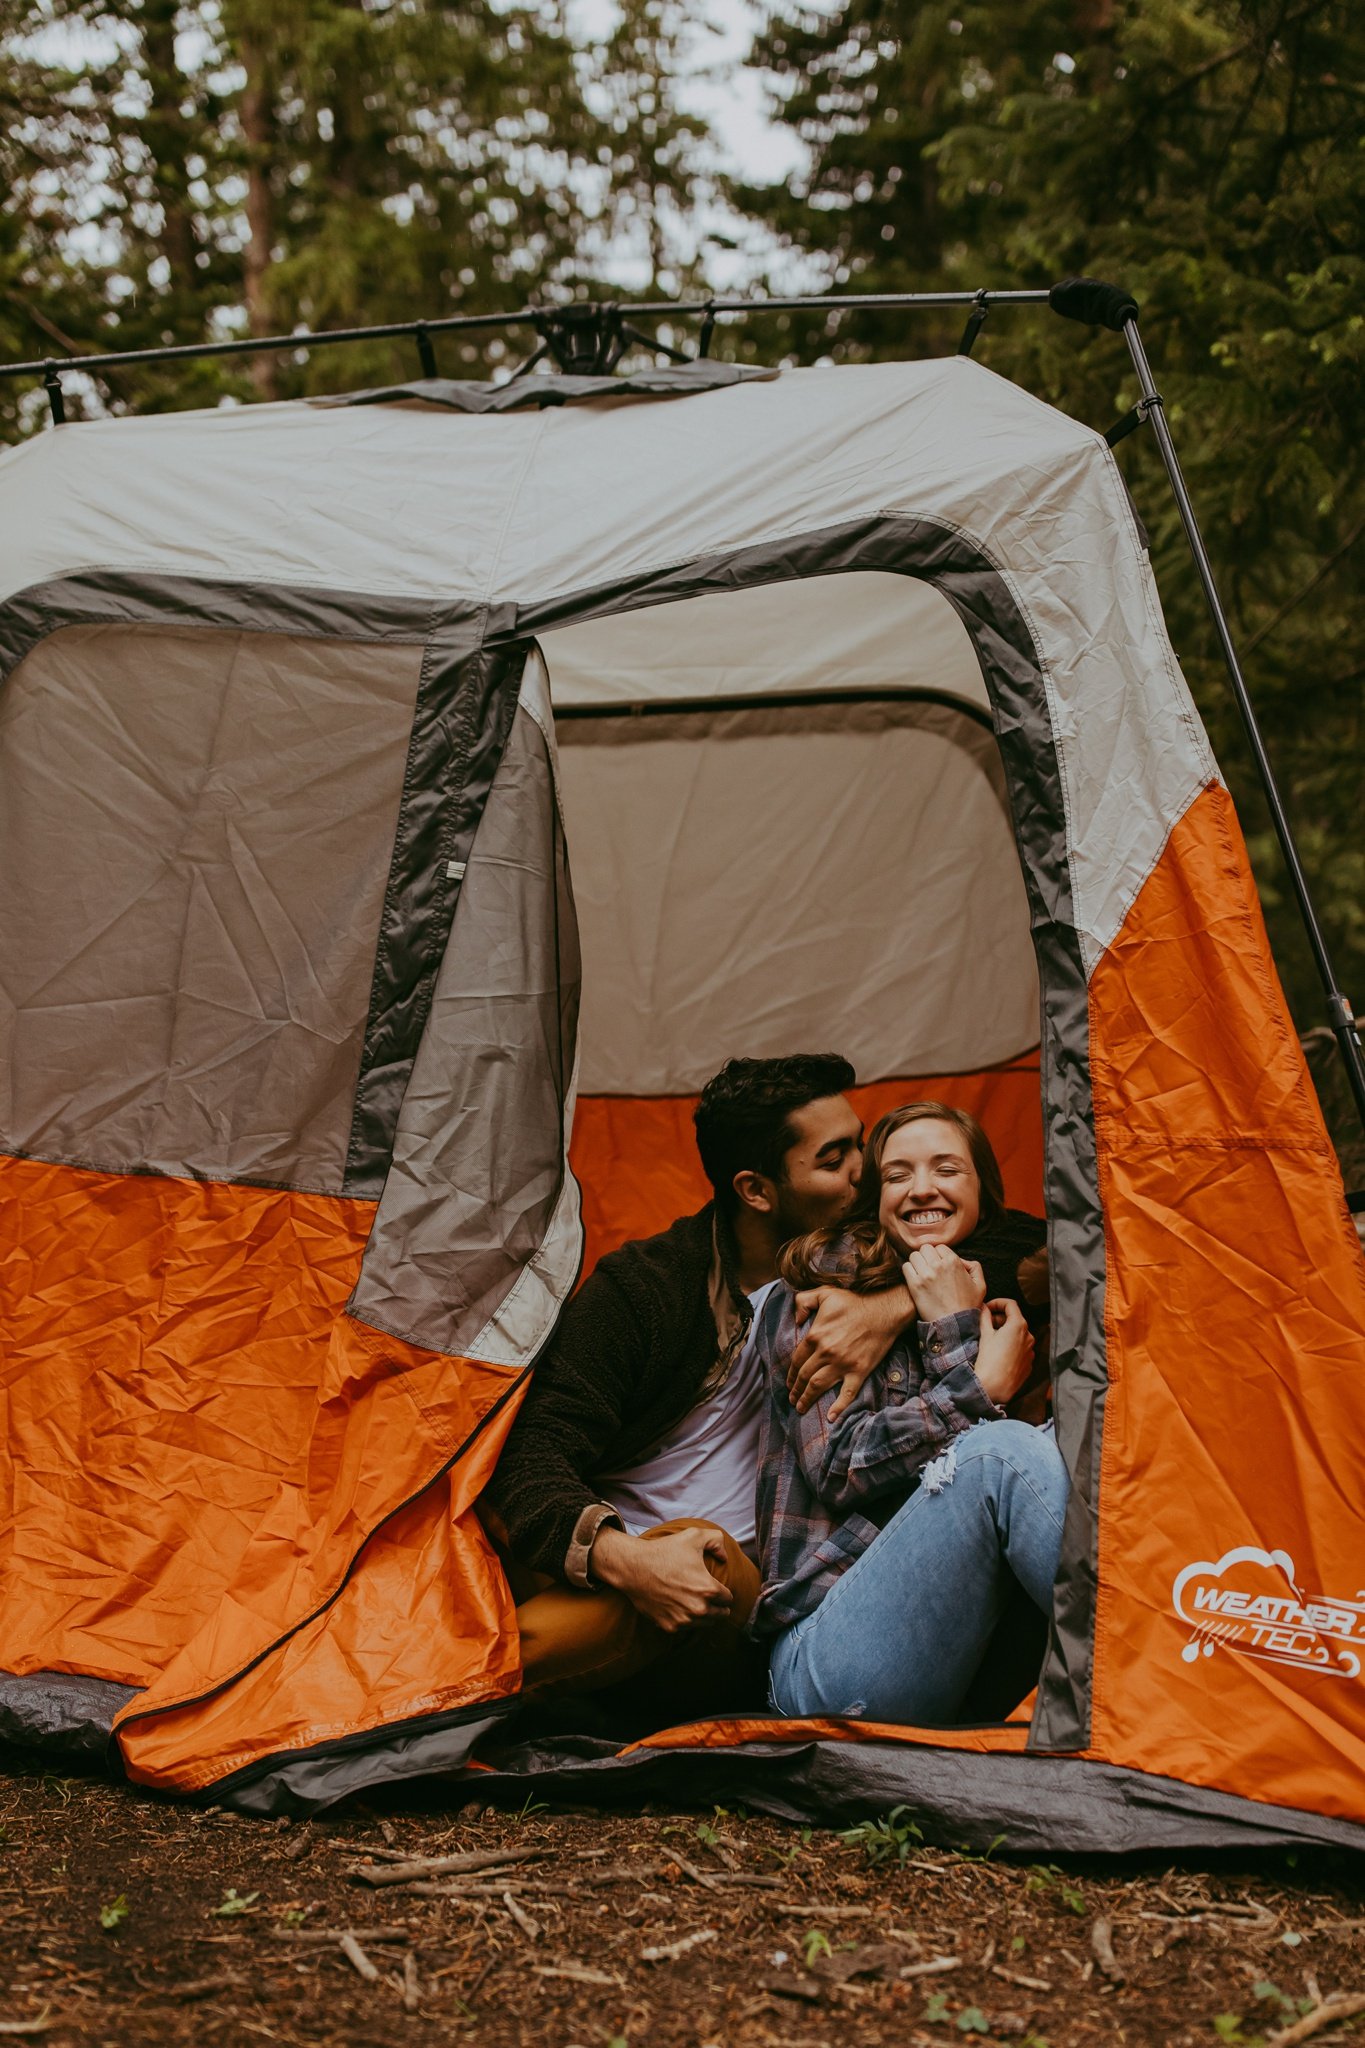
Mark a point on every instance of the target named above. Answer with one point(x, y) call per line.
point(1248, 1600)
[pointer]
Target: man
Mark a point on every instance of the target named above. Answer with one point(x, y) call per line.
point(625, 1494)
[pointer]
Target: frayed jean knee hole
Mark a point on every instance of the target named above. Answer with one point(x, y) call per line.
point(941, 1472)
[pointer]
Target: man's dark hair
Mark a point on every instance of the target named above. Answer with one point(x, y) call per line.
point(743, 1120)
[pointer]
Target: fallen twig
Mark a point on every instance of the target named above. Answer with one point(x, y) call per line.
point(933, 1968)
point(577, 1973)
point(422, 1890)
point(708, 1879)
point(670, 1951)
point(443, 1866)
point(327, 1935)
point(824, 1912)
point(204, 1987)
point(375, 1850)
point(39, 2024)
point(1018, 1977)
point(1341, 2006)
point(357, 1958)
point(412, 1990)
point(1102, 1942)
point(529, 1927)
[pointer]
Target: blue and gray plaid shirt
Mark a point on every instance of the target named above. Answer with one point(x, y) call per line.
point(825, 1489)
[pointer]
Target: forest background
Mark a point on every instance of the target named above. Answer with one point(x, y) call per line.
point(178, 170)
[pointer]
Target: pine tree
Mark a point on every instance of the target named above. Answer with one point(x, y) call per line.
point(1209, 155)
point(229, 167)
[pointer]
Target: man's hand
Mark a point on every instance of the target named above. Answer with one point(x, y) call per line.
point(849, 1338)
point(1006, 1350)
point(666, 1577)
point(942, 1283)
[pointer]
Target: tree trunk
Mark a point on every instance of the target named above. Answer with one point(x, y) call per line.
point(256, 109)
point(167, 135)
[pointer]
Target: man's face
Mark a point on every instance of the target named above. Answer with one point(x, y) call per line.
point(821, 1167)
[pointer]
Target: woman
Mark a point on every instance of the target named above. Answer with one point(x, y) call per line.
point(885, 1534)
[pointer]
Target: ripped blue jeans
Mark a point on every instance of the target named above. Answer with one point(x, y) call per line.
point(900, 1635)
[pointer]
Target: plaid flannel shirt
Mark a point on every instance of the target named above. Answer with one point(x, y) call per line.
point(825, 1489)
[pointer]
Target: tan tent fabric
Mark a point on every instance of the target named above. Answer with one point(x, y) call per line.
point(863, 631)
point(769, 880)
point(195, 837)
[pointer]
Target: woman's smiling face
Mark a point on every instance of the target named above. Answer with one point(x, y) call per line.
point(931, 1193)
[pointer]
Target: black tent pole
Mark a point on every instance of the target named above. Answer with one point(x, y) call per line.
point(1339, 1009)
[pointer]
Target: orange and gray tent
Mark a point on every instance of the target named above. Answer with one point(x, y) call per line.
point(405, 804)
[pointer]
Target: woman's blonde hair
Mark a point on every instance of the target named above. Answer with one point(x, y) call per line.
point(858, 1253)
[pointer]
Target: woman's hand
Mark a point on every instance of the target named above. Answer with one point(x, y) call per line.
point(942, 1283)
point(1005, 1353)
point(847, 1341)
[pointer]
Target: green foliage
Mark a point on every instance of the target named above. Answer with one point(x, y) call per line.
point(891, 1840)
point(1210, 155)
point(183, 170)
point(235, 1902)
point(1228, 2027)
point(115, 1913)
point(971, 2020)
point(815, 1943)
point(1046, 1877)
point(936, 2009)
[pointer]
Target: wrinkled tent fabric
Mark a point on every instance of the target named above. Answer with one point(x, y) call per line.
point(402, 809)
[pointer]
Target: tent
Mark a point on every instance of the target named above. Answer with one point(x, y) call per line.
point(405, 803)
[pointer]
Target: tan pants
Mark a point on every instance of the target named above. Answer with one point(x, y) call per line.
point(576, 1640)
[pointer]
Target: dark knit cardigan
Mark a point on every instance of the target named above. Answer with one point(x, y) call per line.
point(626, 1362)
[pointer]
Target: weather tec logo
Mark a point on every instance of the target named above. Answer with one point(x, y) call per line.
point(1249, 1602)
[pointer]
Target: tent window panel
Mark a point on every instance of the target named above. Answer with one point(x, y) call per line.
point(864, 630)
point(195, 834)
point(759, 881)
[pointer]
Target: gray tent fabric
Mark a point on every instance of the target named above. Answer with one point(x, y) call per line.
point(1024, 1804)
point(61, 1712)
point(300, 1786)
point(532, 394)
point(477, 1157)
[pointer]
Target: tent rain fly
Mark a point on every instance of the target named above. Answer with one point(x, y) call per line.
point(404, 805)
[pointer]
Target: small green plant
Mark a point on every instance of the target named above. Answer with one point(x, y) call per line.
point(815, 1944)
point(1045, 1877)
point(115, 1913)
point(235, 1902)
point(708, 1834)
point(971, 2020)
point(892, 1840)
point(1228, 2027)
point(936, 2009)
point(1018, 1945)
point(1270, 1994)
point(293, 1916)
point(531, 1806)
point(1035, 2041)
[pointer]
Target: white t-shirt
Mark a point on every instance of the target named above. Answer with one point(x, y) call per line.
point(706, 1468)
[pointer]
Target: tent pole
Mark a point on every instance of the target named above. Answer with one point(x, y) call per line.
point(1340, 1014)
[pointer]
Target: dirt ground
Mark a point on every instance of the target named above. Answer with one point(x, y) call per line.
point(128, 1920)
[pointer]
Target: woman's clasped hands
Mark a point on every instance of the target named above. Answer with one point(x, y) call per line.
point(942, 1285)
